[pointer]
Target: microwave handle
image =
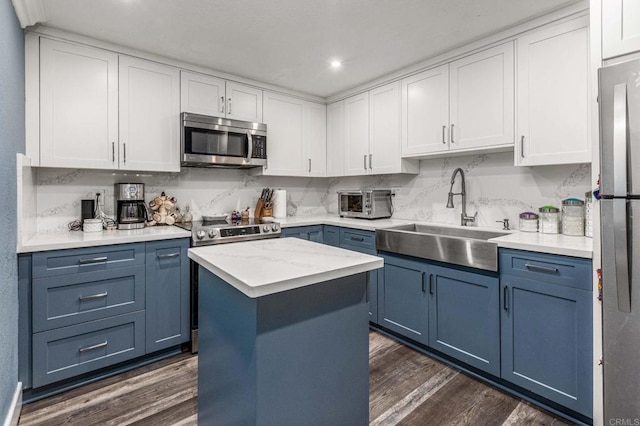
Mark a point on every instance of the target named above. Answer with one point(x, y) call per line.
point(250, 145)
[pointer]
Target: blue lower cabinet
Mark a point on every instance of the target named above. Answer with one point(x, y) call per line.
point(332, 235)
point(373, 294)
point(311, 233)
point(167, 298)
point(464, 316)
point(403, 300)
point(65, 352)
point(547, 340)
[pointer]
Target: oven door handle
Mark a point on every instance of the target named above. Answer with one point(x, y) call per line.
point(249, 145)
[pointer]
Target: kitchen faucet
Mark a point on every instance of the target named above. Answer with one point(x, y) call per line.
point(464, 219)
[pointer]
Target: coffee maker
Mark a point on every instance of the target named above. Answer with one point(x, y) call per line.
point(130, 209)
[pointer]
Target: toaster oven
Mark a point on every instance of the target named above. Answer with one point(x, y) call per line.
point(365, 204)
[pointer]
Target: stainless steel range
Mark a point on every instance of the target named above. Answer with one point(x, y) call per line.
point(219, 232)
point(222, 231)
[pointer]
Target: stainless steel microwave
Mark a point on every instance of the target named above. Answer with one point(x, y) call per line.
point(218, 142)
point(366, 203)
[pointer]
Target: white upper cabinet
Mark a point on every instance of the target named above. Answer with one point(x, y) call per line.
point(202, 94)
point(244, 102)
point(553, 95)
point(315, 138)
point(335, 139)
point(620, 27)
point(465, 105)
point(78, 106)
point(149, 114)
point(385, 131)
point(356, 119)
point(425, 112)
point(208, 95)
point(481, 109)
point(372, 132)
point(296, 136)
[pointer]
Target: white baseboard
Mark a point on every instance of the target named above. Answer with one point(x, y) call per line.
point(14, 409)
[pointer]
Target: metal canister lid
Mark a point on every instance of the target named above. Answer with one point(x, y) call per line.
point(572, 202)
point(548, 209)
point(528, 215)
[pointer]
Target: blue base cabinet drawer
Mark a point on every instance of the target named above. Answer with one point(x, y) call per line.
point(364, 240)
point(73, 261)
point(311, 233)
point(332, 235)
point(561, 270)
point(65, 300)
point(66, 352)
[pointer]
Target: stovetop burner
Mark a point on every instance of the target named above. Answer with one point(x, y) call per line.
point(227, 231)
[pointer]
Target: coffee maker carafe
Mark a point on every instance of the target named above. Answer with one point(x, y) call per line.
point(131, 210)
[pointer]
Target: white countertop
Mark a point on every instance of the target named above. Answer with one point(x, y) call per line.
point(532, 241)
point(566, 245)
point(263, 267)
point(76, 239)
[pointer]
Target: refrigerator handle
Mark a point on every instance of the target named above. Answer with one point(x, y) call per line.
point(621, 254)
point(620, 144)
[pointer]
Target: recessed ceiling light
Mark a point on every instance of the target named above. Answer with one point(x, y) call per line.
point(336, 64)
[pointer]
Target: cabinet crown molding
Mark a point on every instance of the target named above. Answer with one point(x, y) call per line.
point(30, 12)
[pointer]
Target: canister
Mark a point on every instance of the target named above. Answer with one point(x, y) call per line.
point(573, 217)
point(92, 225)
point(528, 222)
point(549, 220)
point(588, 214)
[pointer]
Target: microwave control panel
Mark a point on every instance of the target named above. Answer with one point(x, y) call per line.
point(259, 146)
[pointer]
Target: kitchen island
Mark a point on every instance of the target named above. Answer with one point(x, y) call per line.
point(283, 326)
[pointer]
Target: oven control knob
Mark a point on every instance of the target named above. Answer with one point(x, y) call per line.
point(266, 228)
point(274, 227)
point(213, 233)
point(200, 235)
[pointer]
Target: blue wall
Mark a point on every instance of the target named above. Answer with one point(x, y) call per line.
point(11, 142)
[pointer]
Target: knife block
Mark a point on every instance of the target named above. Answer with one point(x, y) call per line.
point(257, 214)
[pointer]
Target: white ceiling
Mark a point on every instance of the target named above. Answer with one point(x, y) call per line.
point(290, 43)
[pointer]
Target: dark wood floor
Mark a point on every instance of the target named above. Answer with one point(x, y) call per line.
point(406, 388)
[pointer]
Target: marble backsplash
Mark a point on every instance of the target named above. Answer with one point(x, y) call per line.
point(495, 189)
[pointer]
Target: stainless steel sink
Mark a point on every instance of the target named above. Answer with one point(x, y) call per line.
point(459, 246)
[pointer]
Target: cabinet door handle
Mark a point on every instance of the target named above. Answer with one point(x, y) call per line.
point(113, 152)
point(451, 138)
point(309, 165)
point(124, 153)
point(365, 161)
point(430, 283)
point(505, 298)
point(92, 347)
point(424, 286)
point(222, 104)
point(94, 296)
point(371, 161)
point(229, 106)
point(167, 256)
point(93, 260)
point(522, 146)
point(361, 239)
point(541, 268)
point(444, 130)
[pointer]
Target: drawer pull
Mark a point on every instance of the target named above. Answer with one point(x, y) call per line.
point(361, 239)
point(94, 296)
point(167, 256)
point(93, 260)
point(93, 347)
point(541, 268)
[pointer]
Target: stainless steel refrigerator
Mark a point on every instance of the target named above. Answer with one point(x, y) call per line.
point(619, 102)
